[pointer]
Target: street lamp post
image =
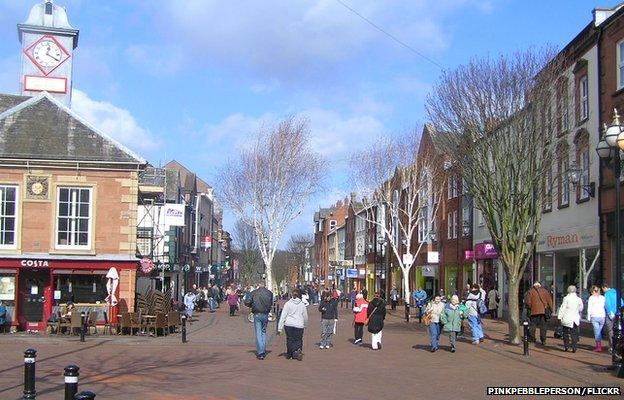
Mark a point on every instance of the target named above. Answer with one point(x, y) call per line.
point(609, 148)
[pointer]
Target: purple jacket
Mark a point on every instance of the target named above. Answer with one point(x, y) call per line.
point(232, 299)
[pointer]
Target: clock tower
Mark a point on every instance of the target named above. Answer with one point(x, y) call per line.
point(48, 42)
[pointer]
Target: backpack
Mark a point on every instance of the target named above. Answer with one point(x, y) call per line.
point(247, 299)
point(481, 307)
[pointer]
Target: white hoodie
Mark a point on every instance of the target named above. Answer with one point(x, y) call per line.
point(294, 314)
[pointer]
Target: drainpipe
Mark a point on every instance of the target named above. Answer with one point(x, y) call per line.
point(600, 177)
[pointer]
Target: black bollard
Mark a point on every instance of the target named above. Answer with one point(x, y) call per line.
point(407, 312)
point(525, 338)
point(277, 315)
point(71, 381)
point(30, 356)
point(184, 329)
point(86, 395)
point(82, 327)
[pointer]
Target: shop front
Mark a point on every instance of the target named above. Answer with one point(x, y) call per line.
point(568, 257)
point(34, 289)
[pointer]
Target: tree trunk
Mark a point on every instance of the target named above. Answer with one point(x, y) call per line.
point(406, 288)
point(515, 334)
point(269, 277)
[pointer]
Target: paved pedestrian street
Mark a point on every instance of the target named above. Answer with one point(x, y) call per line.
point(218, 362)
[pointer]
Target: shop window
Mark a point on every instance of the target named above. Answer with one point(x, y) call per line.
point(74, 218)
point(82, 288)
point(8, 216)
point(7, 289)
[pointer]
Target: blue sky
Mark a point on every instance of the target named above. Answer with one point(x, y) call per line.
point(193, 79)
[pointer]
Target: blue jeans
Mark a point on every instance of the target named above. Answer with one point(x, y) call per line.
point(434, 332)
point(475, 326)
point(598, 324)
point(260, 323)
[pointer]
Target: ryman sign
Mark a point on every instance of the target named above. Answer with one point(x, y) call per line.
point(568, 239)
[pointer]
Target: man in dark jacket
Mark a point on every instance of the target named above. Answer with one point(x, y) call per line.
point(540, 305)
point(329, 315)
point(261, 302)
point(376, 315)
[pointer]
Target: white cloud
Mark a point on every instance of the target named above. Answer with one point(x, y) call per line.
point(290, 40)
point(114, 121)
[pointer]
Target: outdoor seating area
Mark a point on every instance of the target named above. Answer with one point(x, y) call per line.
point(153, 317)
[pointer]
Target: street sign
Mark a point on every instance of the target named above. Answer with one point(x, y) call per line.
point(339, 272)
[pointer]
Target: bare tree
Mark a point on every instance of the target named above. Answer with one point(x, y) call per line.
point(246, 251)
point(401, 184)
point(270, 181)
point(493, 119)
point(297, 245)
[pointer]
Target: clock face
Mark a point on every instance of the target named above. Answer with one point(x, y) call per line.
point(47, 53)
point(37, 188)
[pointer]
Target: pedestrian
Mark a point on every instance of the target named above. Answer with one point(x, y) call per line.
point(434, 308)
point(365, 293)
point(493, 302)
point(394, 297)
point(305, 298)
point(260, 302)
point(420, 296)
point(570, 317)
point(328, 308)
point(360, 314)
point(293, 321)
point(610, 310)
point(232, 300)
point(189, 303)
point(596, 314)
point(540, 305)
point(376, 315)
point(474, 319)
point(451, 319)
point(352, 296)
point(466, 292)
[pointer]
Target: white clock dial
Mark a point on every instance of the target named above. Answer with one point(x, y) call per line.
point(47, 54)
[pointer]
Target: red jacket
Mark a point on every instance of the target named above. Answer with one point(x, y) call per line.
point(360, 311)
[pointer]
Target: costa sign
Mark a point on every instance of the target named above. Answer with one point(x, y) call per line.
point(35, 263)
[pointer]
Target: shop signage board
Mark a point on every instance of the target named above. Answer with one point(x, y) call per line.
point(352, 273)
point(568, 239)
point(484, 251)
point(433, 257)
point(174, 214)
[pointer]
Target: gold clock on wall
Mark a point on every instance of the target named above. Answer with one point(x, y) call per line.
point(37, 187)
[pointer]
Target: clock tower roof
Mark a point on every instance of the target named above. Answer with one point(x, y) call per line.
point(47, 17)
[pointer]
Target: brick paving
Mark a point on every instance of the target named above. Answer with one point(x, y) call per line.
point(219, 363)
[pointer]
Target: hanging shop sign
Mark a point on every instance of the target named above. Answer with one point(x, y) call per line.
point(352, 273)
point(433, 257)
point(174, 214)
point(484, 251)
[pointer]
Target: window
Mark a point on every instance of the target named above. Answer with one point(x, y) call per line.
point(584, 98)
point(74, 218)
point(562, 106)
point(548, 189)
point(144, 241)
point(584, 158)
point(582, 163)
point(455, 224)
point(620, 64)
point(8, 216)
point(449, 226)
point(563, 179)
point(81, 288)
point(480, 218)
point(422, 224)
point(332, 224)
point(450, 184)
